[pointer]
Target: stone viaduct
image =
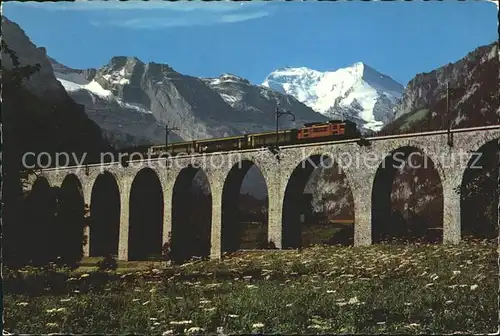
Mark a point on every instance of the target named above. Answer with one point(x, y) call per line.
point(225, 171)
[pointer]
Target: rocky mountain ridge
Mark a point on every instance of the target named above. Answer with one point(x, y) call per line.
point(138, 99)
point(473, 96)
point(55, 121)
point(124, 124)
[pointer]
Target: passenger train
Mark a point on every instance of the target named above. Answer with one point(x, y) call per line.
point(310, 132)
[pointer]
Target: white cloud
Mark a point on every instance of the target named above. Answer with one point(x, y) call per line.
point(97, 5)
point(181, 21)
point(230, 18)
point(157, 14)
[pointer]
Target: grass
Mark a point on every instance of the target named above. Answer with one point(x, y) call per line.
point(323, 289)
point(89, 264)
point(413, 118)
point(320, 233)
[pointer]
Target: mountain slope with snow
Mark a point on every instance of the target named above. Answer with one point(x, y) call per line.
point(123, 123)
point(255, 105)
point(132, 101)
point(358, 93)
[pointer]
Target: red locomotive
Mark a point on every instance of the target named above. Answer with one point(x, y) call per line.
point(322, 130)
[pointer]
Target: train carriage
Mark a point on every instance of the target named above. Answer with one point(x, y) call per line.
point(221, 144)
point(286, 137)
point(174, 148)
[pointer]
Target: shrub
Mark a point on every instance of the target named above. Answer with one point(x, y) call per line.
point(261, 240)
point(108, 263)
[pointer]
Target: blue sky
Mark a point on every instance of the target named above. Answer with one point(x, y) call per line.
point(399, 39)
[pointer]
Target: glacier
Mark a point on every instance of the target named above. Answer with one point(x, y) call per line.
point(358, 92)
point(76, 82)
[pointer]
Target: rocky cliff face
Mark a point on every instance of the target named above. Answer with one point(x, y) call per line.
point(473, 96)
point(38, 114)
point(171, 97)
point(122, 123)
point(42, 83)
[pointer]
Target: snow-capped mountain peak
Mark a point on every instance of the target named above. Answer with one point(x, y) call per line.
point(74, 80)
point(357, 92)
point(226, 78)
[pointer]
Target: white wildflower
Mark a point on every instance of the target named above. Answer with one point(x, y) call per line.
point(317, 326)
point(353, 300)
point(181, 322)
point(195, 330)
